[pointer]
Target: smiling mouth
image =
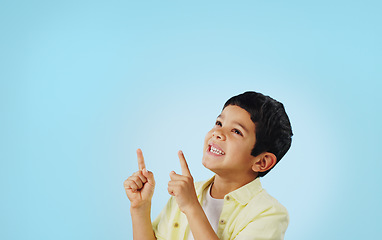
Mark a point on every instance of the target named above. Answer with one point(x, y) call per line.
point(216, 151)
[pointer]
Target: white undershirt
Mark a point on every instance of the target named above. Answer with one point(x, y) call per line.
point(212, 208)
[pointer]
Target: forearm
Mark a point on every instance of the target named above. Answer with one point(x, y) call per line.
point(141, 220)
point(199, 225)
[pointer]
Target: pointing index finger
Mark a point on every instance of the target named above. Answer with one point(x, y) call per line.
point(141, 160)
point(183, 164)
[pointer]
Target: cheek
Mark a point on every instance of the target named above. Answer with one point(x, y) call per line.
point(208, 136)
point(243, 149)
point(249, 148)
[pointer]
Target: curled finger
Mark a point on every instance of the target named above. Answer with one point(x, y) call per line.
point(137, 180)
point(141, 176)
point(130, 185)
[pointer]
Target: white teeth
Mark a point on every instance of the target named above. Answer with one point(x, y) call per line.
point(216, 151)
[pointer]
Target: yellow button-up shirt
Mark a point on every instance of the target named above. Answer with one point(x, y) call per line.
point(249, 213)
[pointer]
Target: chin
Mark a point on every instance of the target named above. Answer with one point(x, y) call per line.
point(205, 163)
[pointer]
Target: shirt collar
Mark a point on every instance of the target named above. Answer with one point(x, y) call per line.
point(200, 187)
point(245, 193)
point(242, 195)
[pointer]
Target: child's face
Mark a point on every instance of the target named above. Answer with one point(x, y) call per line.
point(228, 145)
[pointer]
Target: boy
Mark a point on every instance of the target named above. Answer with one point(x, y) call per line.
point(250, 136)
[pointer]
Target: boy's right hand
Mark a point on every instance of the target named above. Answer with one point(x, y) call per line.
point(140, 186)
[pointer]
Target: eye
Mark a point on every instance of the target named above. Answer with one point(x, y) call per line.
point(218, 123)
point(237, 132)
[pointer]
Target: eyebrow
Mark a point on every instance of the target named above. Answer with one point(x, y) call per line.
point(235, 122)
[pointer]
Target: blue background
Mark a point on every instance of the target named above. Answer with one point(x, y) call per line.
point(85, 83)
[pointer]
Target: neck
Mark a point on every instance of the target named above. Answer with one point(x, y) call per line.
point(222, 186)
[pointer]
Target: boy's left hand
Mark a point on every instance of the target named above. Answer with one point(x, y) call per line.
point(182, 187)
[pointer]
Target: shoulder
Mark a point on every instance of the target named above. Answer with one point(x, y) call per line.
point(253, 196)
point(263, 216)
point(267, 204)
point(257, 212)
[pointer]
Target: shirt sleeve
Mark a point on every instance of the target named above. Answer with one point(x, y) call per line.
point(162, 225)
point(160, 220)
point(271, 225)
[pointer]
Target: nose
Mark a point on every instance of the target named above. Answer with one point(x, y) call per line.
point(218, 134)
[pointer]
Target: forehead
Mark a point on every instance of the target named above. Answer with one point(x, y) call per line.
point(238, 115)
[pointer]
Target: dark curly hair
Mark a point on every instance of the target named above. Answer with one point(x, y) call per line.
point(272, 126)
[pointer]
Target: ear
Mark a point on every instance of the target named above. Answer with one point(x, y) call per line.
point(264, 162)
